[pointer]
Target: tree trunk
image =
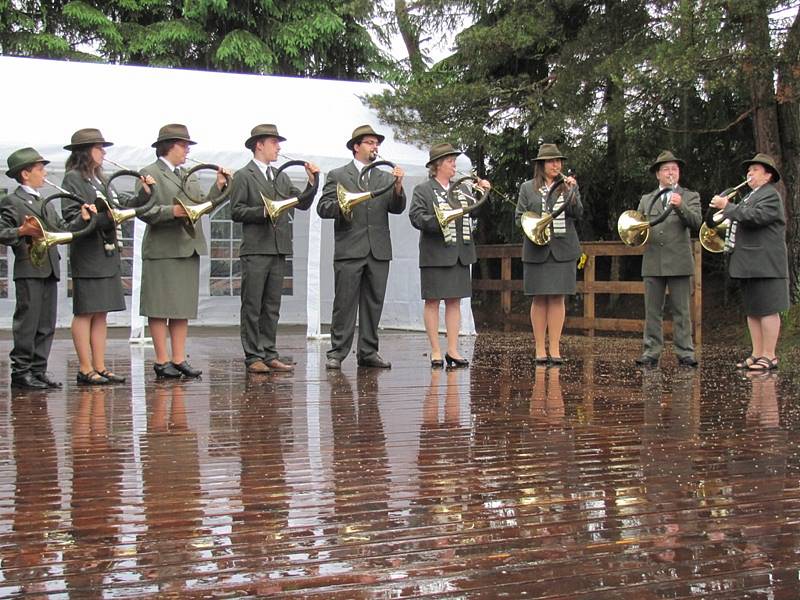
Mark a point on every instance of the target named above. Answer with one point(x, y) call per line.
point(410, 34)
point(788, 100)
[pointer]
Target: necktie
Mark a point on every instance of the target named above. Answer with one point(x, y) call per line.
point(269, 174)
point(177, 171)
point(365, 176)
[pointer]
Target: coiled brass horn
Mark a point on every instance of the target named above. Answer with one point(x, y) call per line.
point(275, 208)
point(634, 228)
point(536, 226)
point(120, 213)
point(715, 225)
point(195, 211)
point(38, 247)
point(444, 217)
point(349, 200)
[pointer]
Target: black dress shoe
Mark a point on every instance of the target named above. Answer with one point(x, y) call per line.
point(112, 377)
point(333, 363)
point(90, 378)
point(688, 361)
point(187, 369)
point(28, 381)
point(456, 362)
point(647, 361)
point(166, 371)
point(45, 379)
point(374, 361)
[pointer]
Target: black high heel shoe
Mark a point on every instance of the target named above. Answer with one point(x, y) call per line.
point(456, 362)
point(437, 363)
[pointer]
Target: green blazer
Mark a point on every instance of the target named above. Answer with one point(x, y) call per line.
point(13, 209)
point(165, 236)
point(760, 248)
point(433, 252)
point(668, 252)
point(368, 231)
point(259, 235)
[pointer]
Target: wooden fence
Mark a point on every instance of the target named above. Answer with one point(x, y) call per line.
point(589, 287)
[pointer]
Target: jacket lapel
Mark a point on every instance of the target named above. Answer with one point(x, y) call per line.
point(31, 202)
point(260, 180)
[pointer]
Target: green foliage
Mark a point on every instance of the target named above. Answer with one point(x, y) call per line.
point(301, 37)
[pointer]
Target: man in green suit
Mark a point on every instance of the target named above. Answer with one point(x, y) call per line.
point(36, 286)
point(362, 250)
point(668, 262)
point(265, 244)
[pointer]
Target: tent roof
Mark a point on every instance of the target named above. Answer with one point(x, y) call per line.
point(129, 105)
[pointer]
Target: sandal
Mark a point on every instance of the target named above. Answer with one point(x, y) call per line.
point(762, 363)
point(745, 363)
point(541, 360)
point(112, 377)
point(90, 378)
point(773, 364)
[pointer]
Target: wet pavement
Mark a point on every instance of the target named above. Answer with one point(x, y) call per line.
point(594, 480)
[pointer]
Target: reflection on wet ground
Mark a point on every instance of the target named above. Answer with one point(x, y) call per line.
point(505, 480)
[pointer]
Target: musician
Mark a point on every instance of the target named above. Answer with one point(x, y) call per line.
point(444, 257)
point(265, 245)
point(756, 242)
point(549, 271)
point(36, 287)
point(170, 256)
point(362, 251)
point(668, 262)
point(94, 259)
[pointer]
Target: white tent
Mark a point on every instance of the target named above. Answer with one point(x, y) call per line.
point(129, 104)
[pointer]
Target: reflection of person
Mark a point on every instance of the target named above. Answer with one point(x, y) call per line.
point(362, 250)
point(763, 406)
point(669, 439)
point(444, 257)
point(549, 271)
point(36, 288)
point(547, 400)
point(28, 563)
point(94, 259)
point(171, 480)
point(444, 441)
point(756, 242)
point(170, 256)
point(668, 261)
point(359, 447)
point(264, 423)
point(96, 478)
point(265, 245)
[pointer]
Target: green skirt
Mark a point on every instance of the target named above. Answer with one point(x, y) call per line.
point(170, 288)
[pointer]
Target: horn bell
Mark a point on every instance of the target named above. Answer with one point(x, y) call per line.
point(713, 238)
point(348, 200)
point(275, 208)
point(39, 247)
point(633, 228)
point(194, 212)
point(536, 228)
point(444, 217)
point(120, 215)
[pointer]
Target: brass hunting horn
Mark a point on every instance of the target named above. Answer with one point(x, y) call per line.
point(194, 211)
point(634, 228)
point(38, 247)
point(348, 200)
point(715, 225)
point(274, 207)
point(444, 217)
point(536, 226)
